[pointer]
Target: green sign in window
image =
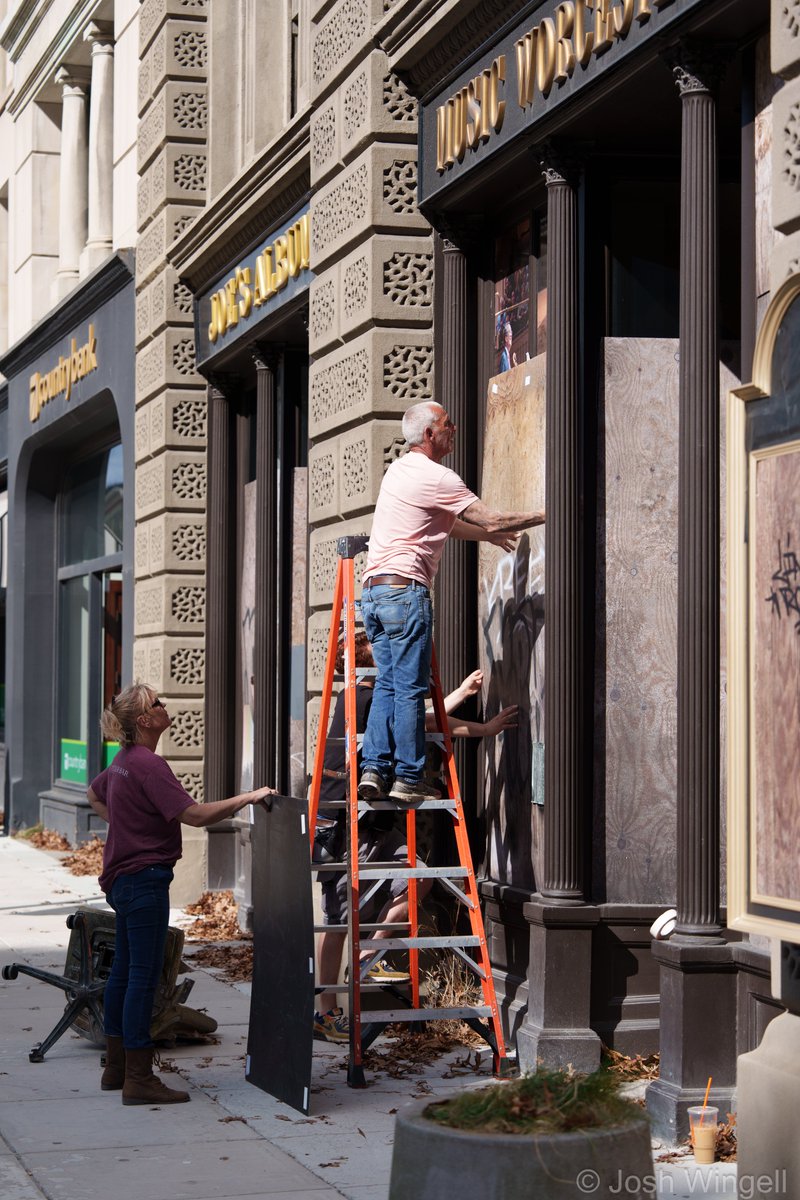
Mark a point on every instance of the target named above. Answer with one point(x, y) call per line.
point(73, 759)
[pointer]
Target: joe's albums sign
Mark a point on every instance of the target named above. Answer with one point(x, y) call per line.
point(552, 53)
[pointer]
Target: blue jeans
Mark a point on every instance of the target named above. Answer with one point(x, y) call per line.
point(141, 902)
point(399, 624)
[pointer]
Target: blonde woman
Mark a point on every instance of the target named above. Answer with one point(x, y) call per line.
point(144, 805)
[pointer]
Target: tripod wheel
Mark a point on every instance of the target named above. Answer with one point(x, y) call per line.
point(71, 921)
point(10, 972)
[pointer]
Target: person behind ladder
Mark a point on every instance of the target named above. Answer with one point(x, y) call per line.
point(421, 503)
point(378, 839)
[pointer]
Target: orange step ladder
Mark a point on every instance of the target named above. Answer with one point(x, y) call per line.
point(459, 880)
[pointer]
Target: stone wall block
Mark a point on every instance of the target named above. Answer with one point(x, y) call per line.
point(364, 454)
point(786, 158)
point(166, 301)
point(159, 234)
point(154, 13)
point(167, 361)
point(388, 279)
point(324, 316)
point(171, 421)
point(383, 371)
point(785, 260)
point(171, 542)
point(318, 629)
point(325, 149)
point(374, 103)
point(339, 38)
point(189, 774)
point(179, 113)
point(170, 604)
point(312, 726)
point(179, 51)
point(377, 192)
point(175, 480)
point(323, 480)
point(323, 559)
point(185, 737)
point(177, 175)
point(785, 37)
point(174, 666)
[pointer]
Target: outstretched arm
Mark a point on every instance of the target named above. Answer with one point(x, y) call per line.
point(474, 533)
point(500, 522)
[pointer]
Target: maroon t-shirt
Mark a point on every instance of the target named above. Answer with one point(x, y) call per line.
point(144, 801)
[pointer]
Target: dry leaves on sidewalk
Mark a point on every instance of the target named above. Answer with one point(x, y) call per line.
point(87, 859)
point(626, 1069)
point(217, 919)
point(48, 839)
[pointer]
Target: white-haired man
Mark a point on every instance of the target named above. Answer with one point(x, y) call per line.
point(421, 503)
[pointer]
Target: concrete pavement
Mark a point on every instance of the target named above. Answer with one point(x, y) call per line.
point(63, 1139)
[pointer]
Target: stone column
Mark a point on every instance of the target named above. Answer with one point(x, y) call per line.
point(698, 1005)
point(100, 35)
point(73, 177)
point(220, 587)
point(556, 1029)
point(265, 748)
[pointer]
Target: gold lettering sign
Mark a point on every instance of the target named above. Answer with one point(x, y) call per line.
point(78, 363)
point(248, 288)
point(545, 57)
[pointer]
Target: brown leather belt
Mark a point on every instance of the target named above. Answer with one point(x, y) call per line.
point(394, 580)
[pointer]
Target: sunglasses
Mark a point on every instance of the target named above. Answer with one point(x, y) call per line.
point(158, 704)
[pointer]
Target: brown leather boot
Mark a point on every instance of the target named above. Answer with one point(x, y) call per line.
point(142, 1086)
point(113, 1076)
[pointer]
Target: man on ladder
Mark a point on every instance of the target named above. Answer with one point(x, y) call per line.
point(420, 504)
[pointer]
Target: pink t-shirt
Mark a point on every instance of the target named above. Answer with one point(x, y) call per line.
point(417, 506)
point(144, 801)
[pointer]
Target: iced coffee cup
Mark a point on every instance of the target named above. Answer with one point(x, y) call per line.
point(703, 1125)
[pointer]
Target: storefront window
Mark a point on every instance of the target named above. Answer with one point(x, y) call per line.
point(90, 612)
point(520, 304)
point(644, 258)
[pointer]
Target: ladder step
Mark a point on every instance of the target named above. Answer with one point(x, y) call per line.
point(392, 1015)
point(362, 926)
point(365, 987)
point(419, 943)
point(389, 805)
point(391, 872)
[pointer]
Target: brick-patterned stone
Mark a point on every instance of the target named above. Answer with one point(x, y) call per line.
point(323, 558)
point(167, 361)
point(154, 13)
point(384, 371)
point(364, 454)
point(170, 604)
point(177, 175)
point(179, 112)
point(374, 103)
point(157, 237)
point(324, 134)
point(339, 38)
point(185, 737)
point(377, 191)
point(173, 420)
point(174, 542)
point(179, 51)
point(388, 279)
point(174, 480)
point(166, 301)
point(785, 260)
point(785, 37)
point(786, 158)
point(324, 315)
point(174, 666)
point(323, 480)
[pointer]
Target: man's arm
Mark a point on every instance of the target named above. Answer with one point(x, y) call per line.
point(97, 805)
point(500, 522)
point(474, 533)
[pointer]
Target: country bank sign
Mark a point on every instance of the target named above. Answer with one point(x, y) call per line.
point(70, 368)
point(532, 69)
point(272, 275)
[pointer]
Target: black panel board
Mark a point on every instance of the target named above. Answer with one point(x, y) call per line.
point(279, 1043)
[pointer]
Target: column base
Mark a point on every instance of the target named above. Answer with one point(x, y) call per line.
point(63, 284)
point(556, 1031)
point(93, 254)
point(698, 1033)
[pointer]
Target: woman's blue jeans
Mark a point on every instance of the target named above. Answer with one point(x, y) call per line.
point(141, 902)
point(399, 623)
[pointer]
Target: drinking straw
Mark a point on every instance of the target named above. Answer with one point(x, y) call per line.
point(705, 1101)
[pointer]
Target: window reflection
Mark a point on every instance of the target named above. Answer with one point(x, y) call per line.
point(92, 508)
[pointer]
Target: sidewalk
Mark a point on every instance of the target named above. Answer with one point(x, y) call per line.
point(63, 1139)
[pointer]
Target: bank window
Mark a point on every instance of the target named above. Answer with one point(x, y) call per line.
point(89, 612)
point(520, 292)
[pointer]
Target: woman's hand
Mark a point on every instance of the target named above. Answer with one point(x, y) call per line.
point(507, 718)
point(260, 795)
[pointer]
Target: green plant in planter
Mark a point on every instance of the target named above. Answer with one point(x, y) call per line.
point(551, 1135)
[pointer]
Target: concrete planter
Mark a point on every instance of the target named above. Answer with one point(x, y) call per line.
point(431, 1162)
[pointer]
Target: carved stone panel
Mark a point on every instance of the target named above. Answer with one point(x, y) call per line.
point(167, 361)
point(786, 158)
point(166, 301)
point(185, 737)
point(378, 191)
point(171, 542)
point(389, 279)
point(340, 37)
point(151, 250)
point(374, 103)
point(179, 51)
point(154, 13)
point(177, 175)
point(319, 624)
point(323, 480)
point(170, 604)
point(364, 455)
point(384, 371)
point(323, 558)
point(325, 149)
point(785, 37)
point(174, 666)
point(785, 260)
point(175, 479)
point(179, 112)
point(324, 318)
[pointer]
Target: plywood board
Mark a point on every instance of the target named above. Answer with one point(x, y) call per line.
point(775, 672)
point(511, 615)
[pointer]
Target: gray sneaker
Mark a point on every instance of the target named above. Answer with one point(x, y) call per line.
point(406, 792)
point(372, 786)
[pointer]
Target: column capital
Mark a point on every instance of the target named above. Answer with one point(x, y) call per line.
point(697, 67)
point(561, 163)
point(72, 77)
point(100, 35)
point(460, 232)
point(266, 356)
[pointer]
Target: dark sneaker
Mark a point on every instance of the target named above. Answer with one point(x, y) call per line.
point(331, 1026)
point(407, 792)
point(372, 786)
